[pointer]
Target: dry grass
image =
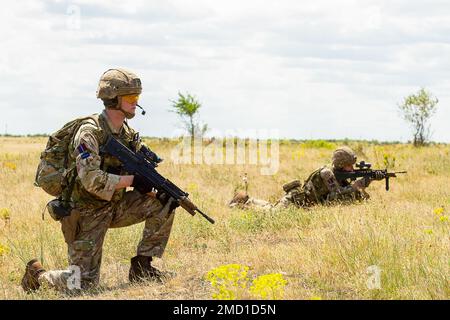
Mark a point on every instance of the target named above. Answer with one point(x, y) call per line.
point(323, 252)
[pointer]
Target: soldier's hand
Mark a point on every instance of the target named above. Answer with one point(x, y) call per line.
point(139, 185)
point(378, 175)
point(151, 194)
point(124, 182)
point(362, 183)
point(365, 195)
point(164, 198)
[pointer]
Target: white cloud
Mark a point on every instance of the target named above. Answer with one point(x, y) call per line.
point(322, 69)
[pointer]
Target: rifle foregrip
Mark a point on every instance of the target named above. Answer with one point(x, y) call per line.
point(188, 206)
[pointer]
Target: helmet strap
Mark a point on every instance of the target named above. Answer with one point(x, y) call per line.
point(119, 107)
point(116, 104)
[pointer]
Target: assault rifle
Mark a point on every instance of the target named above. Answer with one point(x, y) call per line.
point(364, 170)
point(142, 165)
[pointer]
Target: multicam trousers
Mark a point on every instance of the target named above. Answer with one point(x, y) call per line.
point(85, 251)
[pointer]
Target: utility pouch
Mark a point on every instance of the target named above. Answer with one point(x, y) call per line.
point(298, 198)
point(291, 185)
point(58, 210)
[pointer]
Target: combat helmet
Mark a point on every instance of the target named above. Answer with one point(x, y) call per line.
point(342, 157)
point(117, 82)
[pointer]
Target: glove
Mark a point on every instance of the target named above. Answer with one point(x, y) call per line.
point(378, 175)
point(362, 183)
point(164, 198)
point(139, 185)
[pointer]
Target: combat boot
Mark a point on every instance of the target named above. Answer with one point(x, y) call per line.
point(30, 279)
point(240, 198)
point(141, 270)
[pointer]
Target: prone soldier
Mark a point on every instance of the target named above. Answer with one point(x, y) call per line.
point(321, 187)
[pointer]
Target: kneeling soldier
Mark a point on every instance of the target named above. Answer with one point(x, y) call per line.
point(98, 195)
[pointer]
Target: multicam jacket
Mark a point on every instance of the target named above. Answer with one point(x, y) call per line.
point(95, 174)
point(323, 187)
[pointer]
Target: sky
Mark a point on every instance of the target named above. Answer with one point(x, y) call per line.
point(303, 69)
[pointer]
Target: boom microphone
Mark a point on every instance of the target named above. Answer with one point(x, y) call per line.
point(143, 111)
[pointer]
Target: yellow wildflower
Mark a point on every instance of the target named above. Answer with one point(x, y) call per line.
point(10, 165)
point(3, 250)
point(228, 279)
point(438, 211)
point(192, 187)
point(443, 218)
point(429, 231)
point(269, 286)
point(297, 155)
point(5, 214)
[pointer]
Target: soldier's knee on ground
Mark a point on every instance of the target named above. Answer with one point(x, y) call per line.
point(86, 255)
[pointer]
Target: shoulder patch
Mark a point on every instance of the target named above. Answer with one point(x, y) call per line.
point(328, 177)
point(326, 173)
point(82, 149)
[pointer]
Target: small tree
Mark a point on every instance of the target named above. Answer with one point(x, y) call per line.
point(187, 108)
point(417, 109)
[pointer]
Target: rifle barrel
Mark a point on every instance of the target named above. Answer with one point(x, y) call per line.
point(206, 216)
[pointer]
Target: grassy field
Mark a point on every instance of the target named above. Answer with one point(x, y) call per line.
point(322, 253)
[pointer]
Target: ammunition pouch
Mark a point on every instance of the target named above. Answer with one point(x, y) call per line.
point(298, 197)
point(58, 210)
point(291, 185)
point(68, 217)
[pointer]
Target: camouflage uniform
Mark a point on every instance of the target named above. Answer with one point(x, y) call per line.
point(243, 201)
point(321, 187)
point(99, 206)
